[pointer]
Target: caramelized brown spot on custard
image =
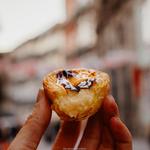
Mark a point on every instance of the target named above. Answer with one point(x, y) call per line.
point(64, 75)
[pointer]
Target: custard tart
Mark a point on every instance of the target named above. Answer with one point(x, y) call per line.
point(76, 94)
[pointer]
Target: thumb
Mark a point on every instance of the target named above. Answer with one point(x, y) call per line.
point(33, 129)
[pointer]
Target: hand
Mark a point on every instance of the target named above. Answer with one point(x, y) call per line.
point(104, 130)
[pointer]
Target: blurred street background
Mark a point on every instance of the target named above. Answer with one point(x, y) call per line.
point(38, 36)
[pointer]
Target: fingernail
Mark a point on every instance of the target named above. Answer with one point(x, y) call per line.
point(39, 95)
point(111, 97)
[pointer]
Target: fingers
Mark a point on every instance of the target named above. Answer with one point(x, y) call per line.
point(109, 109)
point(106, 130)
point(92, 134)
point(118, 130)
point(67, 135)
point(106, 142)
point(95, 132)
point(29, 136)
point(121, 134)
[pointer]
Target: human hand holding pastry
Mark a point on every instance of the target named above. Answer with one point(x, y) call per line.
point(104, 129)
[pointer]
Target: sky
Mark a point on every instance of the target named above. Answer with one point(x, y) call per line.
point(23, 19)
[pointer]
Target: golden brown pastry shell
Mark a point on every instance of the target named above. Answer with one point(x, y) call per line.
point(72, 105)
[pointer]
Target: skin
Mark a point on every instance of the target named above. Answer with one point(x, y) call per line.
point(104, 130)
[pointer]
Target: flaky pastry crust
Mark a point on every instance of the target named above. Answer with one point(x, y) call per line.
point(76, 94)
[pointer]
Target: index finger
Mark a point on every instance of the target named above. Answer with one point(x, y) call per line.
point(33, 129)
